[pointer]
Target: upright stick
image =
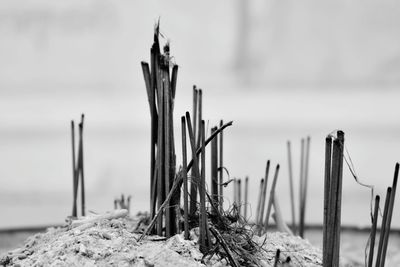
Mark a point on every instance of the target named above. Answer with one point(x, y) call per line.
point(214, 170)
point(81, 168)
point(221, 168)
point(167, 147)
point(185, 182)
point(246, 191)
point(291, 186)
point(373, 232)
point(74, 180)
point(239, 195)
point(301, 222)
point(327, 184)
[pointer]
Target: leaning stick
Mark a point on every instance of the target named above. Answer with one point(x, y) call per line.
point(390, 213)
point(271, 197)
point(259, 201)
point(383, 228)
point(373, 232)
point(291, 186)
point(264, 195)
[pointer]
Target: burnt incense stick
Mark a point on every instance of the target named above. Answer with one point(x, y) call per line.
point(74, 182)
point(246, 191)
point(160, 153)
point(260, 192)
point(153, 114)
point(239, 195)
point(340, 141)
point(185, 182)
point(390, 213)
point(263, 197)
point(214, 169)
point(291, 186)
point(271, 197)
point(305, 183)
point(327, 183)
point(167, 139)
point(373, 232)
point(383, 228)
point(301, 229)
point(200, 115)
point(194, 113)
point(221, 168)
point(81, 166)
point(195, 172)
point(203, 218)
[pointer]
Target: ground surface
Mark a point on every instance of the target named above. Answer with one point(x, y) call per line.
point(114, 243)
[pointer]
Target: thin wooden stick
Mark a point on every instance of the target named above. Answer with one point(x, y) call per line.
point(260, 192)
point(291, 186)
point(263, 197)
point(200, 115)
point(390, 213)
point(195, 172)
point(74, 182)
point(160, 153)
point(153, 114)
point(338, 209)
point(81, 166)
point(327, 184)
point(185, 182)
point(373, 232)
point(383, 228)
point(174, 78)
point(271, 197)
point(203, 214)
point(239, 195)
point(246, 191)
point(301, 222)
point(167, 152)
point(221, 168)
point(214, 169)
point(194, 113)
point(305, 182)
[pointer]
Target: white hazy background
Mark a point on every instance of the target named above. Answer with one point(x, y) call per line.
point(281, 70)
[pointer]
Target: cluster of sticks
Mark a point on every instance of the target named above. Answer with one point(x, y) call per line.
point(161, 88)
point(122, 203)
point(385, 226)
point(332, 199)
point(165, 183)
point(77, 169)
point(304, 163)
point(260, 222)
point(237, 196)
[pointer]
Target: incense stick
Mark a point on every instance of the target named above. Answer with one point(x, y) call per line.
point(246, 191)
point(373, 232)
point(383, 227)
point(327, 183)
point(271, 197)
point(291, 186)
point(185, 182)
point(221, 168)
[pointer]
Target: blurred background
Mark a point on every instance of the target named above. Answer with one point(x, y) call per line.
point(281, 70)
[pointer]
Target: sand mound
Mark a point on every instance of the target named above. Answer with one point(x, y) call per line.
point(113, 242)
